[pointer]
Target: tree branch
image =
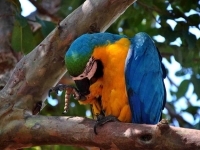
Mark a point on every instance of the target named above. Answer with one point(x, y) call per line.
point(172, 83)
point(42, 130)
point(165, 12)
point(42, 68)
point(52, 5)
point(8, 58)
point(173, 115)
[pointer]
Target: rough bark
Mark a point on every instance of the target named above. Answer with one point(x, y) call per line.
point(40, 130)
point(41, 69)
point(8, 57)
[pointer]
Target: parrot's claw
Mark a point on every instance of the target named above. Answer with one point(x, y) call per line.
point(69, 90)
point(62, 87)
point(101, 120)
point(52, 90)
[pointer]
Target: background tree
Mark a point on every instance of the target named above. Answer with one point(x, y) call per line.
point(19, 36)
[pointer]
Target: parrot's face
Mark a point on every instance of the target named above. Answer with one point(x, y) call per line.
point(85, 79)
point(82, 65)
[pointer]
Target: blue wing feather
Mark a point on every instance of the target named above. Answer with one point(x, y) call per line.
point(144, 80)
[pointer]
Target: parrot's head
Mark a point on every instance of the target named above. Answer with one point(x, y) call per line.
point(81, 65)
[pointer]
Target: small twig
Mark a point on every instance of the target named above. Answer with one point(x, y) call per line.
point(173, 15)
point(70, 90)
point(149, 8)
point(41, 10)
point(172, 82)
point(173, 114)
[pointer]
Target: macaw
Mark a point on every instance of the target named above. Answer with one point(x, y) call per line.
point(120, 77)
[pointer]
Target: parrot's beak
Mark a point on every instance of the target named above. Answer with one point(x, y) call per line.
point(83, 86)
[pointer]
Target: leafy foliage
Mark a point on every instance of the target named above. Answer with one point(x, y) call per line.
point(47, 26)
point(22, 36)
point(169, 23)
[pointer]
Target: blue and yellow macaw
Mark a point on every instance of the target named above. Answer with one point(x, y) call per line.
point(119, 76)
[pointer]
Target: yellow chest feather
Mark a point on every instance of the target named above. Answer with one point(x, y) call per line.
point(111, 87)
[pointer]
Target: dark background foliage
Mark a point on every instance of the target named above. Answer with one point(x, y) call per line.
point(165, 21)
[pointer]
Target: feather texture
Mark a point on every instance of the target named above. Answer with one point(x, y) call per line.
point(144, 80)
point(131, 85)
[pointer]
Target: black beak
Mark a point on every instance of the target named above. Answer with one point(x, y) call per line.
point(83, 86)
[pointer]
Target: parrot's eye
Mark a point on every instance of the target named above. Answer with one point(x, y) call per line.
point(93, 71)
point(90, 68)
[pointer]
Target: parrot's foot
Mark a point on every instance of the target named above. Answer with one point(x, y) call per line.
point(69, 90)
point(62, 87)
point(101, 120)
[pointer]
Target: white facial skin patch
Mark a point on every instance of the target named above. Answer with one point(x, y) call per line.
point(89, 70)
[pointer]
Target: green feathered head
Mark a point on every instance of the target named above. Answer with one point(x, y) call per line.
point(78, 55)
point(82, 48)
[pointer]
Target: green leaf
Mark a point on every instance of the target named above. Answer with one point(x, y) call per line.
point(197, 126)
point(47, 26)
point(159, 5)
point(196, 83)
point(21, 20)
point(147, 2)
point(169, 34)
point(66, 7)
point(183, 72)
point(188, 5)
point(38, 36)
point(190, 39)
point(182, 89)
point(194, 18)
point(180, 73)
point(192, 109)
point(22, 38)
